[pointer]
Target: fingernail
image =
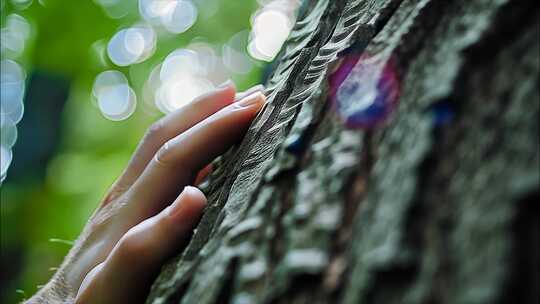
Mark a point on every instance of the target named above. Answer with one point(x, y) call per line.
point(256, 98)
point(175, 208)
point(187, 207)
point(228, 83)
point(253, 89)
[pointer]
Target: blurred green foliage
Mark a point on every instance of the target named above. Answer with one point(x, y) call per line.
point(93, 150)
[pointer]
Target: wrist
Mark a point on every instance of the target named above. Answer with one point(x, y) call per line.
point(55, 291)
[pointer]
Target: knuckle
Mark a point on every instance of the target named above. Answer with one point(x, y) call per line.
point(165, 154)
point(139, 244)
point(163, 225)
point(90, 286)
point(104, 218)
point(131, 246)
point(114, 194)
point(155, 131)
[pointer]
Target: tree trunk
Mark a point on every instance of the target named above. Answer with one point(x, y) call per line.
point(436, 204)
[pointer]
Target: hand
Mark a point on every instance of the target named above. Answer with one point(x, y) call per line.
point(136, 228)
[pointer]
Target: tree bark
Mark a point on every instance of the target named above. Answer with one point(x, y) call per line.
point(308, 209)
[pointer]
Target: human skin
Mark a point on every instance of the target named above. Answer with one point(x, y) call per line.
point(150, 211)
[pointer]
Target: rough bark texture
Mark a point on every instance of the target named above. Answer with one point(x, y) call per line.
point(306, 210)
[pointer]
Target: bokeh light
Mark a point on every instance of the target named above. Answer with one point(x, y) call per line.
point(5, 160)
point(271, 25)
point(180, 17)
point(176, 16)
point(234, 54)
point(153, 10)
point(182, 78)
point(21, 4)
point(132, 45)
point(14, 35)
point(8, 134)
point(210, 64)
point(115, 98)
point(12, 87)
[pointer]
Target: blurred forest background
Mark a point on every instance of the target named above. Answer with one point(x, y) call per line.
point(77, 127)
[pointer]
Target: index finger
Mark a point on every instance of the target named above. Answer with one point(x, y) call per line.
point(172, 125)
point(177, 162)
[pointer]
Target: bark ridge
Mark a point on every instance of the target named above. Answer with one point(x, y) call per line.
point(420, 210)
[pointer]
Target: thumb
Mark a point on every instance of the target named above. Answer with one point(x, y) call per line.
point(131, 267)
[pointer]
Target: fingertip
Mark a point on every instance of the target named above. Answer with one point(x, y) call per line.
point(194, 195)
point(188, 205)
point(254, 101)
point(223, 95)
point(228, 90)
point(256, 88)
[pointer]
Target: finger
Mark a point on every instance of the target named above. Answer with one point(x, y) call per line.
point(177, 162)
point(253, 89)
point(129, 270)
point(203, 174)
point(173, 124)
point(89, 282)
